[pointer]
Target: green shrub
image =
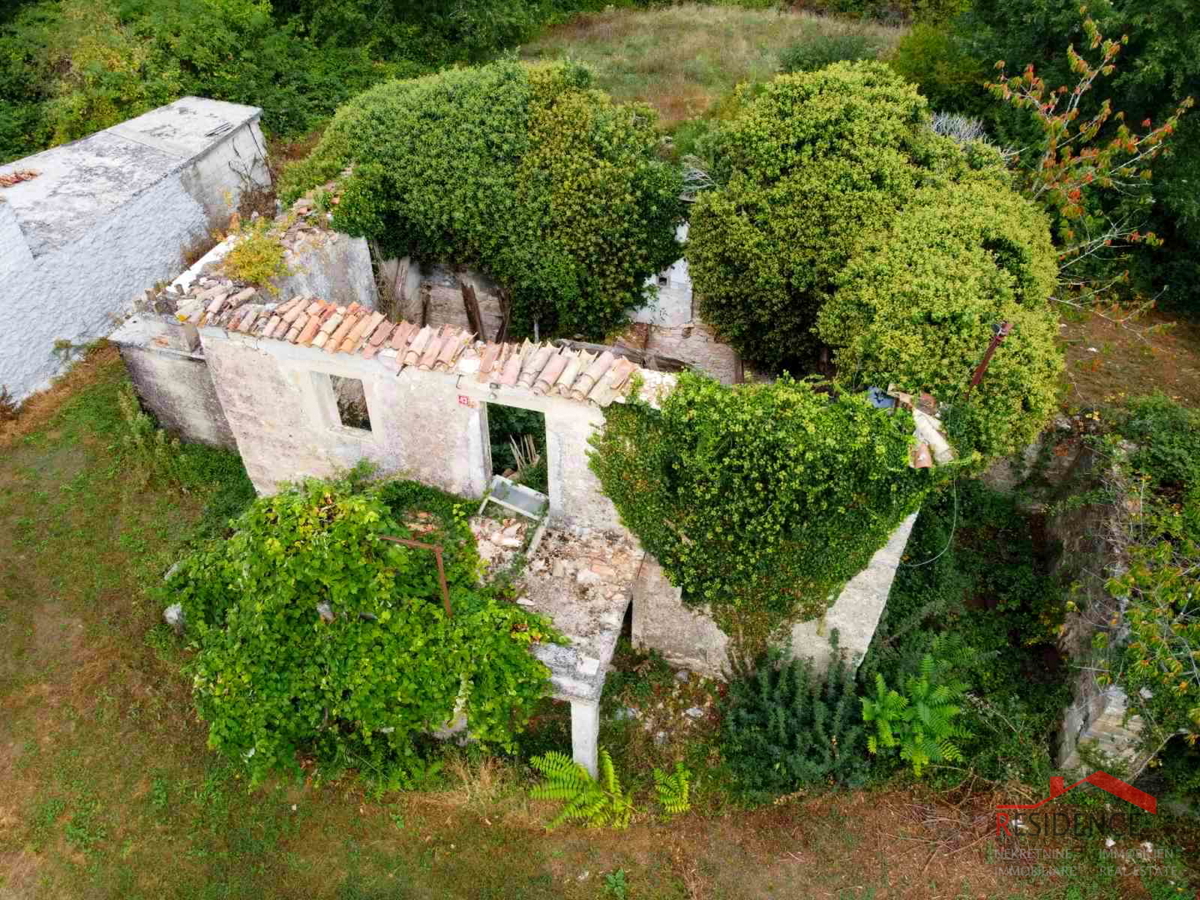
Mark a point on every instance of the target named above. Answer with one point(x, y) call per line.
point(73, 67)
point(429, 33)
point(919, 722)
point(786, 728)
point(759, 501)
point(523, 171)
point(258, 257)
point(1156, 662)
point(815, 162)
point(971, 592)
point(917, 303)
point(930, 56)
point(314, 634)
point(811, 54)
point(1167, 439)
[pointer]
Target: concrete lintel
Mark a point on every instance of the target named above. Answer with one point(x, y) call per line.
point(585, 735)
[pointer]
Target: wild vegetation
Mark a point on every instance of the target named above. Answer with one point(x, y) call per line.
point(1139, 88)
point(523, 171)
point(841, 220)
point(316, 635)
point(759, 501)
point(877, 248)
point(102, 746)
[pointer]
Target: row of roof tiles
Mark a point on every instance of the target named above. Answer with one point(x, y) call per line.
point(544, 369)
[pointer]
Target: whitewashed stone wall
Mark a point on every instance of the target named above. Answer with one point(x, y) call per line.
point(691, 639)
point(427, 426)
point(109, 216)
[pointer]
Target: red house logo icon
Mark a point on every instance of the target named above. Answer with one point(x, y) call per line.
point(1102, 780)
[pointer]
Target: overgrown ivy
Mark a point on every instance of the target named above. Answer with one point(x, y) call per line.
point(847, 229)
point(526, 172)
point(314, 635)
point(759, 501)
point(1158, 658)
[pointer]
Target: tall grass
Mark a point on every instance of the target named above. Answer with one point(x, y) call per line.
point(683, 59)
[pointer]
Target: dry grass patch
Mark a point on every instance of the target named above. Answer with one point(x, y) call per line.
point(38, 409)
point(1107, 361)
point(683, 59)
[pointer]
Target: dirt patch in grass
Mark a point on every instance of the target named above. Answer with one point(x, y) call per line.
point(1106, 360)
point(682, 59)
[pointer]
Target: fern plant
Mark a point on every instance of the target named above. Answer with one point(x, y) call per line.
point(586, 799)
point(786, 727)
point(674, 789)
point(920, 723)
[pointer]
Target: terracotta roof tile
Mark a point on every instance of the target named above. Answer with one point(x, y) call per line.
point(430, 354)
point(512, 367)
point(575, 366)
point(540, 368)
point(535, 360)
point(549, 374)
point(487, 360)
point(412, 354)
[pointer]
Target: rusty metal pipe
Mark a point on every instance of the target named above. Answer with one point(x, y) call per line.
point(437, 552)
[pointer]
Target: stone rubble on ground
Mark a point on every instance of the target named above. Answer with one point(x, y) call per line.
point(499, 541)
point(583, 581)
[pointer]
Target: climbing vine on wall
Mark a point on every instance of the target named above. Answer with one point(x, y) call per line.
point(761, 500)
point(314, 634)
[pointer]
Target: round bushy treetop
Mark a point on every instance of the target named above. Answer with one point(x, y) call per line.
point(525, 172)
point(812, 163)
point(759, 500)
point(314, 634)
point(918, 301)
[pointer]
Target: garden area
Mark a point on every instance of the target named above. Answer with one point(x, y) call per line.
point(887, 242)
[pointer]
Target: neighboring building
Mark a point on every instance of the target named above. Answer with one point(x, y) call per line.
point(98, 222)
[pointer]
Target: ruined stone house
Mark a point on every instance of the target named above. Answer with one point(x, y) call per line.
point(308, 386)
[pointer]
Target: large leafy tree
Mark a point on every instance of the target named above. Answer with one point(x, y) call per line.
point(1159, 65)
point(524, 171)
point(919, 300)
point(846, 225)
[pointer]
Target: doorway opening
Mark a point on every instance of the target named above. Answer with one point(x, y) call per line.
point(518, 446)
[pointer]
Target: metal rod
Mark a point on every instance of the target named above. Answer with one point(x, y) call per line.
point(1000, 332)
point(437, 552)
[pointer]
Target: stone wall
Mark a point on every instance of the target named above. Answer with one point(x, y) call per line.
point(667, 327)
point(173, 382)
point(431, 294)
point(428, 426)
point(691, 639)
point(1057, 467)
point(1092, 550)
point(109, 216)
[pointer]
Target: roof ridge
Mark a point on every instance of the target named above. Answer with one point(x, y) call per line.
point(543, 368)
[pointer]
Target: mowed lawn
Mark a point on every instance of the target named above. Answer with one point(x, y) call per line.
point(683, 59)
point(108, 791)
